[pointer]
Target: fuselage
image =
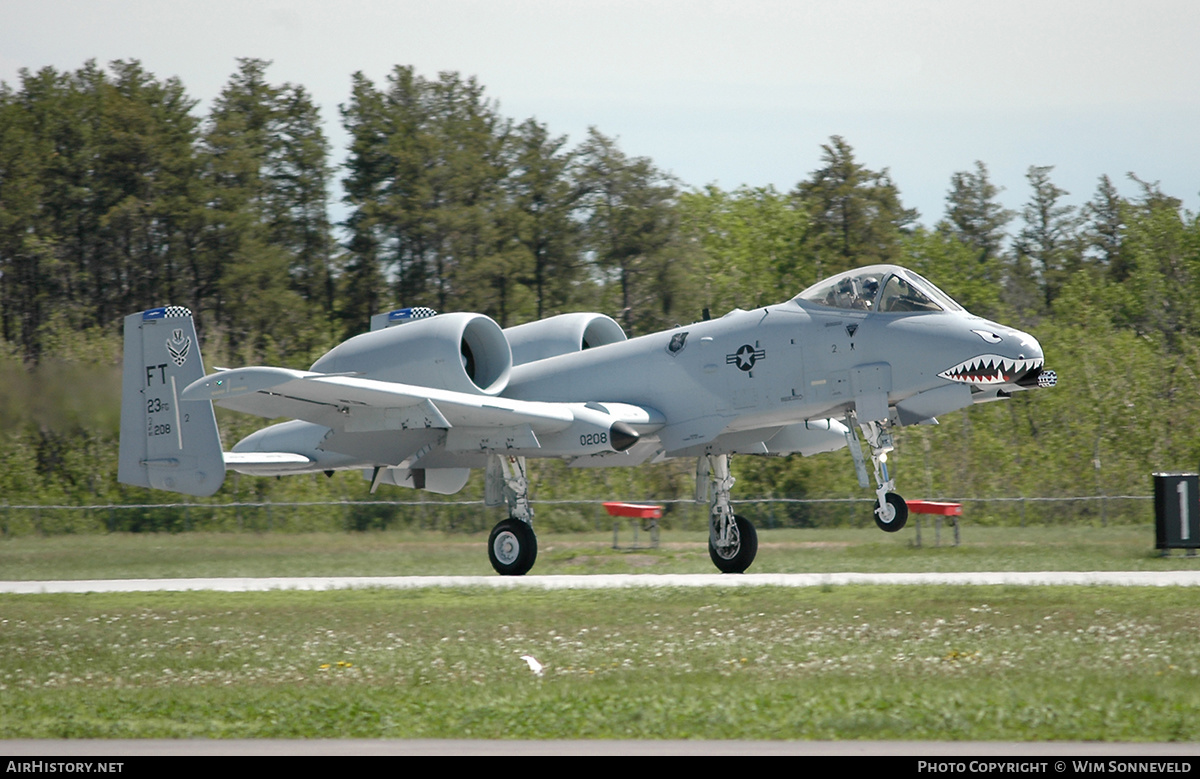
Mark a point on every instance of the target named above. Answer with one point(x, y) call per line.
point(878, 344)
point(792, 362)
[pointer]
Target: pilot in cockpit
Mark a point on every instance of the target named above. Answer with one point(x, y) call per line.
point(856, 293)
point(870, 286)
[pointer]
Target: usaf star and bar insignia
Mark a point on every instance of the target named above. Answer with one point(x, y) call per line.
point(746, 357)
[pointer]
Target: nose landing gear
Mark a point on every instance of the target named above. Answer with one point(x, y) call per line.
point(891, 512)
point(892, 515)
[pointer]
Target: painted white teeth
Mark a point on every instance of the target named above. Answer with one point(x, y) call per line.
point(989, 369)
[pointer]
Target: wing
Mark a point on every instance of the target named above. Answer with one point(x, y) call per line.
point(363, 416)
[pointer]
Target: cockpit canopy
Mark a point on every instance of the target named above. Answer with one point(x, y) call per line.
point(879, 288)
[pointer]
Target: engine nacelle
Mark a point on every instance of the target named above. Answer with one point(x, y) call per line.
point(460, 352)
point(562, 334)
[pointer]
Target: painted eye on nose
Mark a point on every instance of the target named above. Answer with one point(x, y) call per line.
point(988, 336)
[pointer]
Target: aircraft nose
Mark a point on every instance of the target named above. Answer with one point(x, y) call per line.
point(1012, 343)
point(1005, 357)
point(1029, 345)
point(1030, 349)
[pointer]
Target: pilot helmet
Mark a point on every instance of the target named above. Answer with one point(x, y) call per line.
point(870, 288)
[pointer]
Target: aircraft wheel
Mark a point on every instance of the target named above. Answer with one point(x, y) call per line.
point(894, 515)
point(738, 558)
point(512, 547)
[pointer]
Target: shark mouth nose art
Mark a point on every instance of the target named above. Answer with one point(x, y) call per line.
point(991, 369)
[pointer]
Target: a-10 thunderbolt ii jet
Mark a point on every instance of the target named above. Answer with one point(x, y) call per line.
point(421, 403)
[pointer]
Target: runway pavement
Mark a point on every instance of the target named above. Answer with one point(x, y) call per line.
point(612, 581)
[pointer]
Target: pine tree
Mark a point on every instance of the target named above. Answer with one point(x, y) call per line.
point(973, 215)
point(544, 202)
point(267, 243)
point(856, 214)
point(1047, 245)
point(1105, 229)
point(368, 169)
point(630, 227)
point(424, 184)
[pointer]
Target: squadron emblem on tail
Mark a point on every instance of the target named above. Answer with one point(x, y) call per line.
point(178, 347)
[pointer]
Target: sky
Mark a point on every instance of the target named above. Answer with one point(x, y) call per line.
point(717, 92)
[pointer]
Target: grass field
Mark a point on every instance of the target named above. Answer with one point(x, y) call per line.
point(158, 555)
point(853, 662)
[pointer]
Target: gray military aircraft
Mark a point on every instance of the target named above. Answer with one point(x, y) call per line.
point(422, 398)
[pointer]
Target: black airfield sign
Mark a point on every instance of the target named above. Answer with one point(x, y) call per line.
point(1177, 510)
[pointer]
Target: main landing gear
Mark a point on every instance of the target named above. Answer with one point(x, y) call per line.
point(891, 512)
point(732, 540)
point(512, 545)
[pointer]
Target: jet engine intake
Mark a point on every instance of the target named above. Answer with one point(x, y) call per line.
point(460, 352)
point(562, 334)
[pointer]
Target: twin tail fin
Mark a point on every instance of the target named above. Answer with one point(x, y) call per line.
point(166, 443)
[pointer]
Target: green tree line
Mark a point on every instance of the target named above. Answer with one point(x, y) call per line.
point(117, 194)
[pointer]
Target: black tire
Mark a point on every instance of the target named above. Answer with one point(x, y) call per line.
point(512, 547)
point(899, 514)
point(739, 559)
